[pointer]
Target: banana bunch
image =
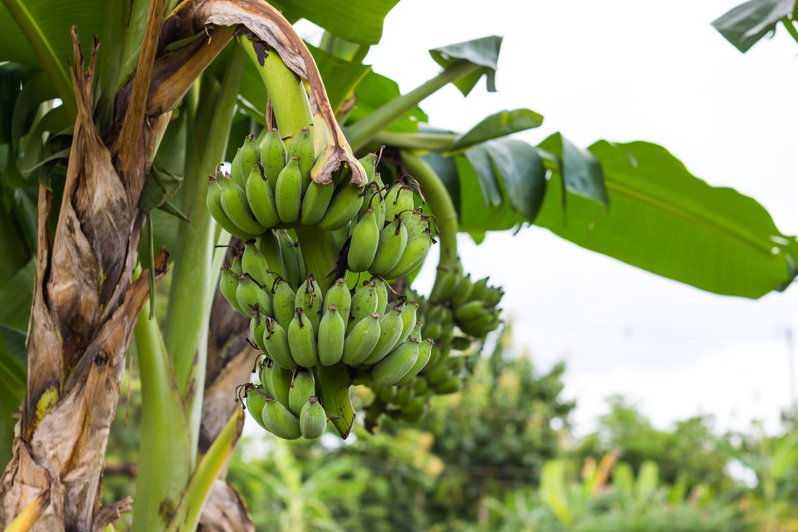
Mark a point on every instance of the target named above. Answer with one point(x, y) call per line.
point(269, 186)
point(472, 306)
point(285, 403)
point(389, 237)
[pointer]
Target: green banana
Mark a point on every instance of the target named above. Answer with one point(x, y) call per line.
point(280, 380)
point(414, 410)
point(228, 285)
point(255, 399)
point(364, 303)
point(382, 294)
point(302, 340)
point(409, 318)
point(250, 295)
point(235, 206)
point(302, 388)
point(393, 240)
point(315, 202)
point(386, 394)
point(260, 197)
point(275, 342)
point(272, 157)
point(398, 200)
point(413, 255)
point(338, 294)
point(309, 298)
point(462, 291)
point(363, 243)
point(397, 364)
point(254, 263)
point(214, 202)
point(269, 246)
point(332, 333)
point(283, 303)
point(257, 326)
point(420, 386)
point(344, 206)
point(312, 419)
point(292, 258)
point(236, 266)
point(404, 395)
point(473, 310)
point(361, 340)
point(390, 330)
point(265, 376)
point(445, 284)
point(302, 149)
point(333, 389)
point(424, 354)
point(479, 290)
point(247, 155)
point(450, 385)
point(288, 194)
point(280, 421)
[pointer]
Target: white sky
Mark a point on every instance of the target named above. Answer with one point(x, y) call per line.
point(629, 70)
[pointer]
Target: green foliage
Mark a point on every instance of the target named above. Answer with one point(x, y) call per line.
point(746, 24)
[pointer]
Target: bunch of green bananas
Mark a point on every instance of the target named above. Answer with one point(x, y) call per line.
point(285, 403)
point(269, 187)
point(473, 306)
point(389, 238)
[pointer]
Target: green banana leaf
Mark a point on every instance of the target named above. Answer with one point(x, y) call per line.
point(376, 90)
point(746, 24)
point(358, 21)
point(498, 125)
point(663, 219)
point(483, 51)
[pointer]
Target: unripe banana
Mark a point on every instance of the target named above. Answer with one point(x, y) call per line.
point(369, 162)
point(386, 393)
point(450, 385)
point(247, 155)
point(463, 290)
point(364, 303)
point(333, 384)
point(472, 310)
point(214, 202)
point(260, 197)
point(338, 294)
point(344, 206)
point(272, 157)
point(255, 399)
point(254, 263)
point(392, 368)
point(289, 250)
point(424, 354)
point(312, 419)
point(382, 294)
point(414, 410)
point(414, 223)
point(398, 200)
point(404, 395)
point(361, 339)
point(283, 303)
point(265, 376)
point(409, 318)
point(275, 342)
point(444, 286)
point(432, 330)
point(479, 290)
point(390, 330)
point(302, 340)
point(269, 245)
point(257, 326)
point(416, 334)
point(414, 253)
point(251, 296)
point(393, 240)
point(235, 206)
point(309, 298)
point(363, 243)
point(280, 384)
point(420, 386)
point(236, 266)
point(302, 149)
point(280, 421)
point(302, 388)
point(228, 285)
point(315, 202)
point(332, 333)
point(288, 194)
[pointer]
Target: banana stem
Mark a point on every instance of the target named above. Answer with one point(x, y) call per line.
point(319, 253)
point(416, 141)
point(285, 89)
point(441, 205)
point(192, 288)
point(362, 132)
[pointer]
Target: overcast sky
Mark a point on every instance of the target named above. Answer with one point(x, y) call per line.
point(629, 70)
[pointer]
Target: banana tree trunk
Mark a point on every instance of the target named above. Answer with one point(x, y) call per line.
point(84, 308)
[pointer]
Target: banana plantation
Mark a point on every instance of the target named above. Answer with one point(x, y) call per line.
point(216, 228)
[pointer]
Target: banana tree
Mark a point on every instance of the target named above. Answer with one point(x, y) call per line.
point(98, 135)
